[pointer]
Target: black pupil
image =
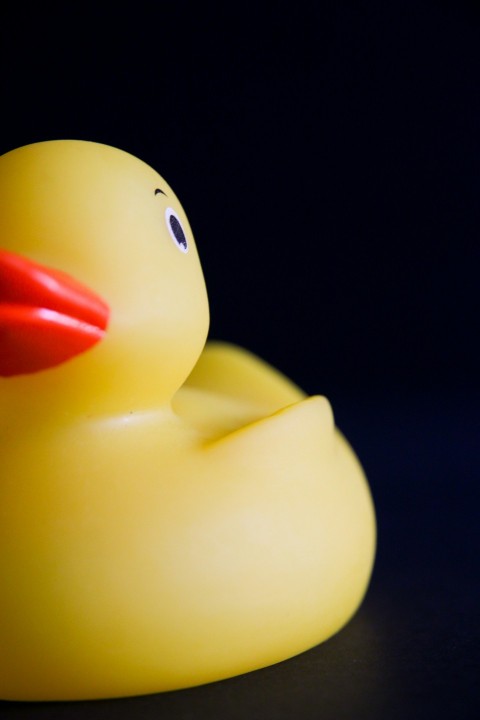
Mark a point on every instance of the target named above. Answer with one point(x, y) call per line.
point(178, 232)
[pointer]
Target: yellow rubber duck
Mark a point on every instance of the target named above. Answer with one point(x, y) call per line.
point(170, 515)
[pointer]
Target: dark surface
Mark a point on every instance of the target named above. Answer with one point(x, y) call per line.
point(329, 160)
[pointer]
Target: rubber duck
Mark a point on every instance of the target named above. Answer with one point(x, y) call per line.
point(172, 513)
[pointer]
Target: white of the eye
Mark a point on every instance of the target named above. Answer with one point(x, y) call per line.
point(169, 212)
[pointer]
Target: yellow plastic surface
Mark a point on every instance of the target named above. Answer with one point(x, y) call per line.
point(157, 532)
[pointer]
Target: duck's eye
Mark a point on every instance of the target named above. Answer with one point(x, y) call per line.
point(175, 229)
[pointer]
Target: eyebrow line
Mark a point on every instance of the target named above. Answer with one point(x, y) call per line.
point(160, 191)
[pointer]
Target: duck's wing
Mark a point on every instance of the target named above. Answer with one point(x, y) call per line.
point(234, 372)
point(306, 427)
point(231, 388)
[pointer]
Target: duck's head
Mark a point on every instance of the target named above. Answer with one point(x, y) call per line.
point(102, 298)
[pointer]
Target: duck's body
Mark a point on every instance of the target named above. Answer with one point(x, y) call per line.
point(149, 543)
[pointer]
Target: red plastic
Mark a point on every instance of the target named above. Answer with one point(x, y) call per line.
point(46, 316)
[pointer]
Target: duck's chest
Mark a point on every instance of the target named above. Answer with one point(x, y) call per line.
point(90, 474)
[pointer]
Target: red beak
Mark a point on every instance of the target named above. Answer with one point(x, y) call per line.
point(46, 317)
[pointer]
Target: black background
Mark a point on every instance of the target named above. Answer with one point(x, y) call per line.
point(328, 157)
